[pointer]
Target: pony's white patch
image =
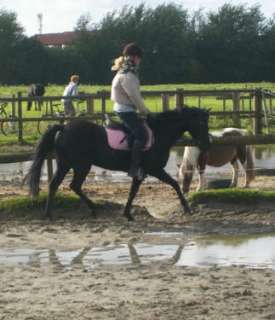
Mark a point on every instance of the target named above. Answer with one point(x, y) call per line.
point(191, 155)
point(241, 131)
point(228, 130)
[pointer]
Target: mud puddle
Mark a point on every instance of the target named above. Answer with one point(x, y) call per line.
point(252, 251)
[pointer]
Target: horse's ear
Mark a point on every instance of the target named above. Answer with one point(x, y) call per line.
point(181, 107)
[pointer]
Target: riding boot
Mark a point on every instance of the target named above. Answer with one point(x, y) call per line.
point(135, 168)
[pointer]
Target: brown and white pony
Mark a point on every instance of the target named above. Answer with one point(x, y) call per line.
point(217, 156)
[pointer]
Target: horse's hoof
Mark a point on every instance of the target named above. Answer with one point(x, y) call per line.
point(188, 211)
point(129, 217)
point(47, 217)
point(93, 214)
point(233, 186)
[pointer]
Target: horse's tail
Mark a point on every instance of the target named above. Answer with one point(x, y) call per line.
point(250, 170)
point(44, 147)
point(189, 163)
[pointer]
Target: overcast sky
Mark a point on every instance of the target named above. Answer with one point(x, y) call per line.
point(62, 15)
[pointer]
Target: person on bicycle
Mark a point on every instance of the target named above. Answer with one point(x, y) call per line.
point(70, 90)
point(128, 102)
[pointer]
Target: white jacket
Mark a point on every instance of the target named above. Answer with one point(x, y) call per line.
point(126, 91)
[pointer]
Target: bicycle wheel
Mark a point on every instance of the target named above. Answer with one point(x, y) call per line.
point(9, 126)
point(43, 124)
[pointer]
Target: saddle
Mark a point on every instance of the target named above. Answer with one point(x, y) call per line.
point(119, 136)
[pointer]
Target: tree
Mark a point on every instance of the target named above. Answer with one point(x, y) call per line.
point(228, 42)
point(31, 62)
point(10, 34)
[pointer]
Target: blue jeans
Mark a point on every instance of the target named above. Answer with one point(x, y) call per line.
point(135, 125)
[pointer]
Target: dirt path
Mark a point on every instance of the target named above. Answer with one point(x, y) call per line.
point(156, 290)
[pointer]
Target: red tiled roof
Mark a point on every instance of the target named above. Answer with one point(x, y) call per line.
point(56, 39)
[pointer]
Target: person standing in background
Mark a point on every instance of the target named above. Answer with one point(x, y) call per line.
point(70, 90)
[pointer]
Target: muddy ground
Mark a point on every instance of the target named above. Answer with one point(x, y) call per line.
point(159, 290)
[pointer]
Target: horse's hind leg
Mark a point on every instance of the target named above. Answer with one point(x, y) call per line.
point(235, 173)
point(246, 159)
point(163, 176)
point(62, 170)
point(201, 168)
point(80, 174)
point(133, 191)
point(202, 182)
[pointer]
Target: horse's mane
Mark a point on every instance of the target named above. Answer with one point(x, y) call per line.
point(163, 118)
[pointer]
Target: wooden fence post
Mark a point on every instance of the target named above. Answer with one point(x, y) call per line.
point(103, 105)
point(13, 106)
point(165, 102)
point(179, 98)
point(236, 108)
point(20, 116)
point(90, 105)
point(258, 112)
point(199, 101)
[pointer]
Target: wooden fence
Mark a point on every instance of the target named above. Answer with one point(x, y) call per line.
point(255, 97)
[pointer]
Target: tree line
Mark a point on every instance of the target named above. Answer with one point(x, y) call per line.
point(235, 43)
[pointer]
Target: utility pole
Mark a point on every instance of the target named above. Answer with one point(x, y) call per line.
point(40, 22)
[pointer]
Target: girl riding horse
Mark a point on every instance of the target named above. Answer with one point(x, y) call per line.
point(127, 98)
point(80, 144)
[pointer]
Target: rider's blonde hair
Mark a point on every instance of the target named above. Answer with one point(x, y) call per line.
point(74, 78)
point(118, 62)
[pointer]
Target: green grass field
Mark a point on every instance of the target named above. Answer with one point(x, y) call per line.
point(31, 133)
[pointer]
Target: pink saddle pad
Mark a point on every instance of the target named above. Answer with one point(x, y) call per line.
point(117, 139)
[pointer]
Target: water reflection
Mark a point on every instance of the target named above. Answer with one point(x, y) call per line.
point(254, 251)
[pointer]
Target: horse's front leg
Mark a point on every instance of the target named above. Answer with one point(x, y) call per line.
point(133, 191)
point(163, 176)
point(202, 182)
point(235, 173)
point(201, 168)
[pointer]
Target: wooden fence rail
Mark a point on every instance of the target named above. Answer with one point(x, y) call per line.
point(180, 94)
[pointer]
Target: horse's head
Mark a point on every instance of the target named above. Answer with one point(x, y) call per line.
point(196, 123)
point(173, 123)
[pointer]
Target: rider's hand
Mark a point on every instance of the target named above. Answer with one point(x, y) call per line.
point(145, 112)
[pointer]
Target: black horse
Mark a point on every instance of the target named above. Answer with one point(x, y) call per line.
point(81, 144)
point(35, 90)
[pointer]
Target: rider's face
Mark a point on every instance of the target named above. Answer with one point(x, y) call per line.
point(136, 60)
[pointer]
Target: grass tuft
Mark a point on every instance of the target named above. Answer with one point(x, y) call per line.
point(244, 196)
point(24, 204)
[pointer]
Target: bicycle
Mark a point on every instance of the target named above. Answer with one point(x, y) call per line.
point(54, 111)
point(45, 121)
point(8, 122)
